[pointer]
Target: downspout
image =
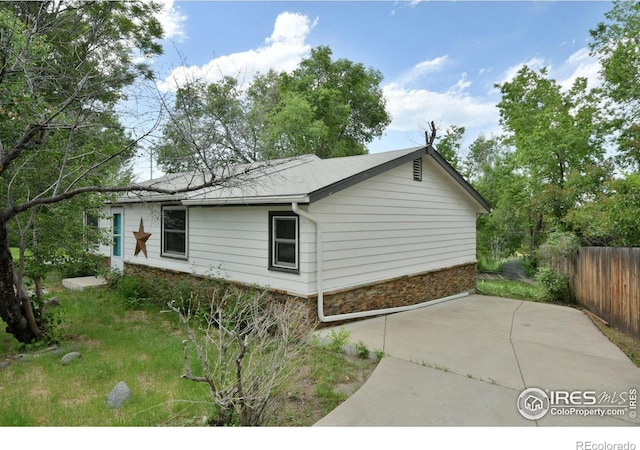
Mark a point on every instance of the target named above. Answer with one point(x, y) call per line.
point(319, 282)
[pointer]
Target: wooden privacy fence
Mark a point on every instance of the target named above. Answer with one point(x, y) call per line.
point(606, 281)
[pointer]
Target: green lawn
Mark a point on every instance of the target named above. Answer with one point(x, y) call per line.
point(511, 289)
point(144, 349)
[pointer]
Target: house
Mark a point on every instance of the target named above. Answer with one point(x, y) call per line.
point(354, 236)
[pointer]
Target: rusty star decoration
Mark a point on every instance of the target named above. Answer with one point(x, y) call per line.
point(141, 240)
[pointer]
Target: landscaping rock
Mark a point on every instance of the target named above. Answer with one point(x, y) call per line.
point(4, 364)
point(66, 359)
point(119, 395)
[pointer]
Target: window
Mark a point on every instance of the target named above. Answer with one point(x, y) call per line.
point(283, 242)
point(174, 231)
point(417, 169)
point(117, 234)
point(91, 232)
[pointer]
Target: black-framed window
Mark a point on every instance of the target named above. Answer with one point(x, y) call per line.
point(91, 231)
point(284, 239)
point(174, 231)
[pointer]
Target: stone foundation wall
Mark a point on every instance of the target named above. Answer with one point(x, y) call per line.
point(402, 291)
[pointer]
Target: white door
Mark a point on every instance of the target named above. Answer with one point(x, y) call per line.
point(117, 240)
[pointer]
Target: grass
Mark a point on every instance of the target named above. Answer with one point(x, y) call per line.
point(511, 289)
point(629, 345)
point(142, 348)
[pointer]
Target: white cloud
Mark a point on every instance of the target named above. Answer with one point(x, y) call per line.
point(411, 108)
point(423, 68)
point(535, 63)
point(283, 51)
point(580, 64)
point(172, 21)
point(460, 85)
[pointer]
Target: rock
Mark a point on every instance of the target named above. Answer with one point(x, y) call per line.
point(4, 364)
point(52, 302)
point(66, 359)
point(118, 395)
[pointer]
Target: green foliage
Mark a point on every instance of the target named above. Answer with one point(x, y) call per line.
point(558, 245)
point(324, 107)
point(86, 264)
point(135, 292)
point(338, 339)
point(615, 44)
point(361, 350)
point(448, 146)
point(556, 140)
point(489, 265)
point(143, 290)
point(556, 285)
point(345, 97)
point(511, 289)
point(612, 217)
point(65, 67)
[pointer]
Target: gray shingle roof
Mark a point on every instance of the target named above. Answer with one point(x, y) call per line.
point(303, 179)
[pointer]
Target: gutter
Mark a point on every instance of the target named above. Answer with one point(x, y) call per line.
point(319, 282)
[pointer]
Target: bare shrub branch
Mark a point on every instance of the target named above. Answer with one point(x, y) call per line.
point(247, 347)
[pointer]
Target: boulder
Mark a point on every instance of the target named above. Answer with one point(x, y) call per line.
point(66, 359)
point(118, 395)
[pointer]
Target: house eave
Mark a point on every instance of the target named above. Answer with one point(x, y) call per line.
point(248, 201)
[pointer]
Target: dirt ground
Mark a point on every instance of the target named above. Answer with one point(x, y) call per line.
point(303, 407)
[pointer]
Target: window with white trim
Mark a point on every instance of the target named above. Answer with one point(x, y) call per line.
point(174, 231)
point(283, 241)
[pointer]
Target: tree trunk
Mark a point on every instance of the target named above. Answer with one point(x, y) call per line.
point(11, 310)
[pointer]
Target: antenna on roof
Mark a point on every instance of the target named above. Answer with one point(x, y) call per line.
point(432, 137)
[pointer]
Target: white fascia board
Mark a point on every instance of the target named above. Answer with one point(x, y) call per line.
point(247, 200)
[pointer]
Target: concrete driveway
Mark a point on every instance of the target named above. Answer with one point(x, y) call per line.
point(466, 362)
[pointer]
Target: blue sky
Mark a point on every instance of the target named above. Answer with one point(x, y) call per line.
point(440, 60)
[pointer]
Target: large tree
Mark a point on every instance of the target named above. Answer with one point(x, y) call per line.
point(616, 43)
point(324, 107)
point(345, 99)
point(63, 69)
point(208, 124)
point(449, 145)
point(556, 140)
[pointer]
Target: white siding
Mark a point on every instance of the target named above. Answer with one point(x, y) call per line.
point(228, 242)
point(385, 227)
point(391, 226)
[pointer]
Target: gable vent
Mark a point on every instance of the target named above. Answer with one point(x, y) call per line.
point(417, 169)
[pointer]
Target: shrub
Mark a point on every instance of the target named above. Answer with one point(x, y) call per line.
point(486, 264)
point(246, 353)
point(136, 292)
point(558, 245)
point(530, 266)
point(338, 339)
point(361, 350)
point(84, 266)
point(555, 285)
